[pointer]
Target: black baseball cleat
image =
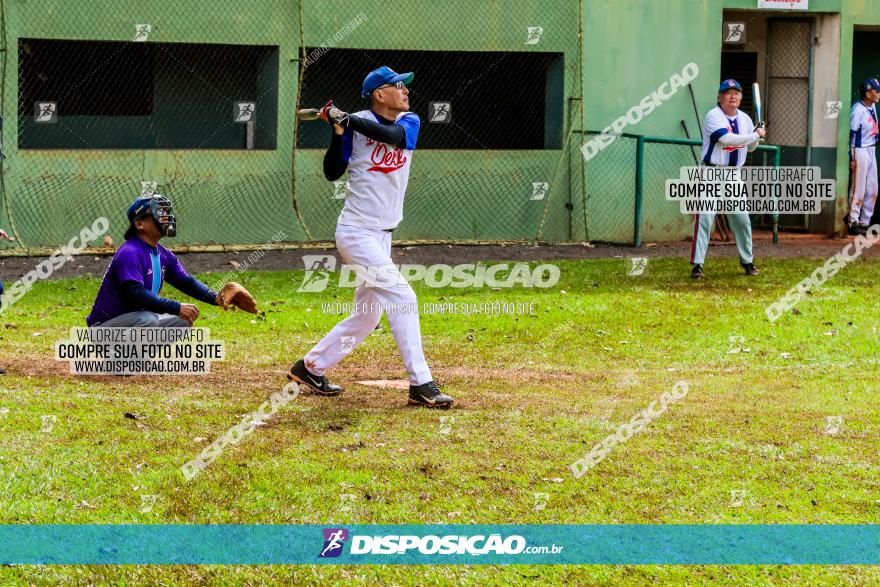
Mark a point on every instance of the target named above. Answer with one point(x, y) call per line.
point(318, 384)
point(749, 268)
point(863, 229)
point(697, 271)
point(852, 229)
point(429, 395)
point(2, 371)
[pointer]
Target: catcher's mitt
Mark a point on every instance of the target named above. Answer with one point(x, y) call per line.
point(234, 294)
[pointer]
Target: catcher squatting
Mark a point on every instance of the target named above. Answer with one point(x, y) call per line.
point(129, 292)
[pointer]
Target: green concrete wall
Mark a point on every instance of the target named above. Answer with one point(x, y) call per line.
point(248, 197)
point(632, 46)
point(615, 52)
point(638, 44)
point(461, 195)
point(221, 196)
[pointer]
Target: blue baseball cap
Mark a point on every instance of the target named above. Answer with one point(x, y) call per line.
point(138, 209)
point(156, 206)
point(382, 76)
point(869, 84)
point(730, 84)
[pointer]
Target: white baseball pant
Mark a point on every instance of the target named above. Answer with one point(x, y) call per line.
point(368, 251)
point(863, 194)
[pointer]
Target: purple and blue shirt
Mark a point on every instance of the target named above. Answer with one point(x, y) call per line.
point(134, 279)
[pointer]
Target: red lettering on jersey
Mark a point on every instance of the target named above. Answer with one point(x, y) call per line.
point(729, 149)
point(386, 160)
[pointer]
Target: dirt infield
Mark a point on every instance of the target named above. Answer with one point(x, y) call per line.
point(790, 245)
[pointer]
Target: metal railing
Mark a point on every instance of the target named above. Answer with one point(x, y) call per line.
point(641, 140)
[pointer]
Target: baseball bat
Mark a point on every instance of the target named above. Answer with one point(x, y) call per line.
point(688, 135)
point(315, 113)
point(756, 97)
point(308, 114)
point(696, 112)
point(720, 221)
point(759, 123)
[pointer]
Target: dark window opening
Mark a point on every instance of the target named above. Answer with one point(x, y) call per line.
point(145, 95)
point(489, 106)
point(743, 67)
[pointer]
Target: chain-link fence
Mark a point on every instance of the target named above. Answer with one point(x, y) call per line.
point(110, 99)
point(664, 159)
point(788, 92)
point(493, 158)
point(643, 213)
point(117, 97)
point(611, 171)
point(105, 100)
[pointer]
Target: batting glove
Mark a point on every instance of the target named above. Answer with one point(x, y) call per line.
point(334, 115)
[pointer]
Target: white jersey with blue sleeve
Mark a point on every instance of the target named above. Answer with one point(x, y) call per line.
point(378, 175)
point(727, 141)
point(862, 125)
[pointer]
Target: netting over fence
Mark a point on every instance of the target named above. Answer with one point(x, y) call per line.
point(115, 97)
point(108, 99)
point(105, 100)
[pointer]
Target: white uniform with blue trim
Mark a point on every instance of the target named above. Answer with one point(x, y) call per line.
point(863, 133)
point(378, 176)
point(726, 142)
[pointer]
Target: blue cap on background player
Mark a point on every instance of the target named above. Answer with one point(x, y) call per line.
point(730, 84)
point(869, 84)
point(382, 76)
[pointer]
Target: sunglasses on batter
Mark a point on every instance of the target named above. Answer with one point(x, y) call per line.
point(398, 85)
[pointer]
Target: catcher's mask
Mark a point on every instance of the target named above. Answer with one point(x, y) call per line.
point(157, 206)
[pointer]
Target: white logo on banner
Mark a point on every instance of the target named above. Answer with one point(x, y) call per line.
point(784, 4)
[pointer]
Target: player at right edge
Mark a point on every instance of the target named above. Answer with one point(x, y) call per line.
point(728, 136)
point(862, 161)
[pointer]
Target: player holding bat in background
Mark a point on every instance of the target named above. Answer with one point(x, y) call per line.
point(863, 135)
point(376, 146)
point(728, 136)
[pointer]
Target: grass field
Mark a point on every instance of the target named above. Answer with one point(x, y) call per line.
point(533, 394)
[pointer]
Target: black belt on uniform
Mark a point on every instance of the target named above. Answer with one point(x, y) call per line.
point(387, 230)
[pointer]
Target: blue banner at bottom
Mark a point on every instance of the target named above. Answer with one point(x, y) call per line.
point(440, 544)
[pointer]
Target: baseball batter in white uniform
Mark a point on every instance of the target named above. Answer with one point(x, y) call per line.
point(376, 146)
point(862, 160)
point(728, 136)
